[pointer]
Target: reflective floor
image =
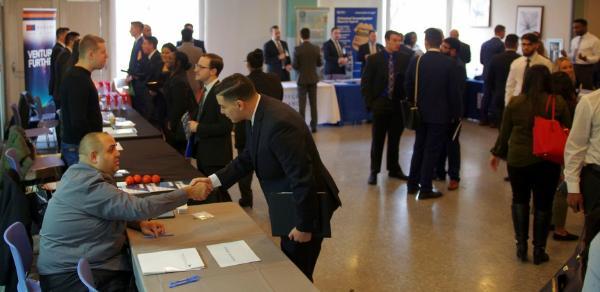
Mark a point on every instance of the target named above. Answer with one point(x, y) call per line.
point(385, 240)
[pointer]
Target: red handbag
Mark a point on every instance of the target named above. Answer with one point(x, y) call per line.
point(549, 136)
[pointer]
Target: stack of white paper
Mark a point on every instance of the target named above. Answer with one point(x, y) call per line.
point(120, 133)
point(232, 253)
point(124, 124)
point(169, 261)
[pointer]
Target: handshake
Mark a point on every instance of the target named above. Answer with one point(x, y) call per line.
point(199, 189)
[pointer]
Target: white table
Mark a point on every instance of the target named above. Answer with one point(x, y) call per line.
point(328, 110)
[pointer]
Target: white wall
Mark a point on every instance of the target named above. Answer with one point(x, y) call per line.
point(556, 23)
point(236, 27)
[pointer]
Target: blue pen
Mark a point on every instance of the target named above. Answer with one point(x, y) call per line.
point(160, 235)
point(192, 279)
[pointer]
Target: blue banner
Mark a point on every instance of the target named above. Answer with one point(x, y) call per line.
point(354, 25)
point(39, 36)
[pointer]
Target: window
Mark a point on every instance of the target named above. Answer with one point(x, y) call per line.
point(417, 16)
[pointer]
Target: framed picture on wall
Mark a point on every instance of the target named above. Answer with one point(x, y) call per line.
point(479, 12)
point(554, 47)
point(529, 19)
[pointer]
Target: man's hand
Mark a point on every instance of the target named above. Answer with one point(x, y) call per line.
point(152, 228)
point(575, 201)
point(494, 162)
point(299, 236)
point(582, 57)
point(343, 61)
point(152, 93)
point(198, 191)
point(288, 67)
point(193, 125)
point(128, 79)
point(197, 180)
point(281, 56)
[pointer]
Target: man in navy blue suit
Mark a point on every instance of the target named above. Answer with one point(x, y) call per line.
point(439, 102)
point(136, 63)
point(335, 58)
point(489, 49)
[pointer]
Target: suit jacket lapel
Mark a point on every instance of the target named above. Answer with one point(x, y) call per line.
point(202, 105)
point(255, 131)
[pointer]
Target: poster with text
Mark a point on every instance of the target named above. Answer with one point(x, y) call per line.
point(39, 36)
point(354, 25)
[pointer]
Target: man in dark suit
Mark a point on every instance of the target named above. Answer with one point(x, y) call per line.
point(406, 50)
point(136, 61)
point(497, 75)
point(58, 48)
point(465, 50)
point(61, 64)
point(277, 55)
point(211, 130)
point(267, 84)
point(151, 72)
point(283, 153)
point(307, 58)
point(335, 58)
point(489, 49)
point(197, 43)
point(382, 87)
point(369, 48)
point(439, 103)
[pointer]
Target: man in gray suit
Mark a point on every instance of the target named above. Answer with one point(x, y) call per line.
point(307, 57)
point(193, 53)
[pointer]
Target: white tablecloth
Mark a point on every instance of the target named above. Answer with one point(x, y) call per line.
point(328, 110)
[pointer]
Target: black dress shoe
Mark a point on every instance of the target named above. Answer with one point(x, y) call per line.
point(372, 179)
point(398, 174)
point(429, 195)
point(567, 237)
point(314, 130)
point(245, 203)
point(412, 191)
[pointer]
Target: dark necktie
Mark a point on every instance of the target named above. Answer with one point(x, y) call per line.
point(526, 68)
point(201, 105)
point(391, 78)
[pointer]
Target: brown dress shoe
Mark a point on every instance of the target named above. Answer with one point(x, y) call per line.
point(453, 185)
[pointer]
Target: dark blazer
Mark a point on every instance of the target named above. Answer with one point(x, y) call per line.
point(283, 153)
point(197, 43)
point(274, 65)
point(179, 99)
point(374, 82)
point(152, 69)
point(213, 135)
point(490, 48)
point(465, 53)
point(364, 51)
point(438, 97)
point(307, 57)
point(134, 65)
point(56, 50)
point(497, 74)
point(60, 68)
point(331, 59)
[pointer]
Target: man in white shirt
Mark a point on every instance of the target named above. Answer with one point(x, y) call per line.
point(582, 155)
point(514, 83)
point(585, 52)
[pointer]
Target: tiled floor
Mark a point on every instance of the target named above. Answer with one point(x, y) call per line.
point(384, 240)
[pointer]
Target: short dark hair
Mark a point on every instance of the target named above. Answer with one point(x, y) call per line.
point(534, 39)
point(580, 21)
point(371, 31)
point(511, 41)
point(70, 37)
point(274, 27)
point(61, 30)
point(89, 42)
point(454, 43)
point(182, 62)
point(499, 28)
point(216, 62)
point(333, 28)
point(151, 40)
point(389, 33)
point(236, 87)
point(408, 38)
point(170, 47)
point(434, 37)
point(255, 59)
point(186, 35)
point(305, 33)
point(188, 24)
point(138, 24)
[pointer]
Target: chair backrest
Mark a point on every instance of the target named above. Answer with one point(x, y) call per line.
point(11, 157)
point(18, 241)
point(16, 115)
point(85, 274)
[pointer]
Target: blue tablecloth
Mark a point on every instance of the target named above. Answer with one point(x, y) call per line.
point(472, 99)
point(351, 103)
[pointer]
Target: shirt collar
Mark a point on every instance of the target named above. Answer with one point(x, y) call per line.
point(152, 54)
point(210, 86)
point(254, 113)
point(62, 44)
point(434, 50)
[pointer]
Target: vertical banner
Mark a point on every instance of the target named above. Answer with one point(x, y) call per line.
point(314, 19)
point(354, 25)
point(39, 36)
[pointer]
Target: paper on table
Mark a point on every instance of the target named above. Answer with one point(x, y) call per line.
point(169, 261)
point(124, 124)
point(232, 253)
point(132, 189)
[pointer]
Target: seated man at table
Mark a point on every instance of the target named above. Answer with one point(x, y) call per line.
point(87, 217)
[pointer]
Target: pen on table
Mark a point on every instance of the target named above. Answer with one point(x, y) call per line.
point(160, 235)
point(191, 279)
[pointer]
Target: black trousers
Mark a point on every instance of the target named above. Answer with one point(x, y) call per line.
point(584, 75)
point(389, 124)
point(218, 194)
point(450, 152)
point(486, 104)
point(590, 187)
point(429, 141)
point(245, 185)
point(311, 89)
point(540, 178)
point(303, 255)
point(105, 280)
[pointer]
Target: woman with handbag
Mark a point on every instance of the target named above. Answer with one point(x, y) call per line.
point(527, 172)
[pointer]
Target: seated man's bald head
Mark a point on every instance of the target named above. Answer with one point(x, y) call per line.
point(98, 150)
point(92, 142)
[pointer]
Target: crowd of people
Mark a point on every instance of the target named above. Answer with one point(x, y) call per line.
point(180, 91)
